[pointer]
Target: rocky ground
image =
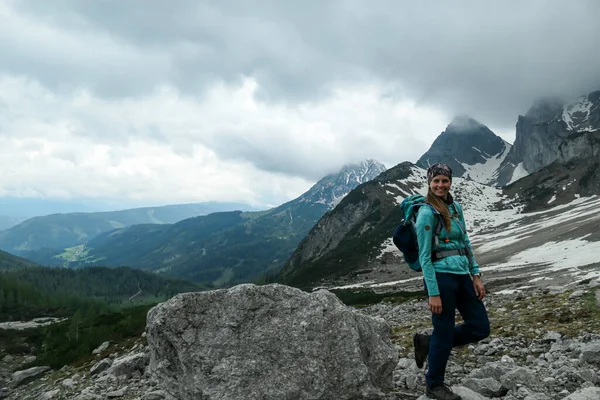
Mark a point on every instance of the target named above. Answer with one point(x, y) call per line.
point(544, 346)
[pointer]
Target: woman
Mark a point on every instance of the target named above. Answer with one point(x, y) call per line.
point(452, 280)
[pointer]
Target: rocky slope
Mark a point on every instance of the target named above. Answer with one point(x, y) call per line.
point(544, 345)
point(470, 148)
point(553, 131)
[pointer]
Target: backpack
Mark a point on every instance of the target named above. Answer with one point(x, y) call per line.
point(405, 235)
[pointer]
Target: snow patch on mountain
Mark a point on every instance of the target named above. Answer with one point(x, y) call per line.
point(518, 173)
point(576, 115)
point(477, 200)
point(561, 262)
point(415, 183)
point(486, 172)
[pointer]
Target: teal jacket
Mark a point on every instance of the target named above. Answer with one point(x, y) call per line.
point(457, 239)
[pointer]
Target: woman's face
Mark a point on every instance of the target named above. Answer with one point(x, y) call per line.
point(440, 186)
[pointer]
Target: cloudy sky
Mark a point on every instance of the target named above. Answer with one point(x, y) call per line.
point(147, 102)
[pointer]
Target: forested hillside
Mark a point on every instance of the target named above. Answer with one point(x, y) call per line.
point(9, 262)
point(97, 304)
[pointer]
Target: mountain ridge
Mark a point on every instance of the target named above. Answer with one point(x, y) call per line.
point(70, 229)
point(221, 248)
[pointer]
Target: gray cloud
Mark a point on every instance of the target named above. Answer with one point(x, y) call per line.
point(148, 90)
point(490, 60)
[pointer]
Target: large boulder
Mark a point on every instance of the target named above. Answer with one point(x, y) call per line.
point(268, 342)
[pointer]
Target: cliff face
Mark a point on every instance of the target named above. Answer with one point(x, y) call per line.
point(552, 131)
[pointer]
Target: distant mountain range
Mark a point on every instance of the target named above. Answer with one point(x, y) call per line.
point(219, 248)
point(71, 229)
point(339, 231)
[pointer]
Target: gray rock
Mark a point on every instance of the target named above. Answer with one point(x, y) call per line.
point(116, 393)
point(87, 396)
point(101, 348)
point(101, 366)
point(28, 375)
point(587, 375)
point(48, 395)
point(128, 365)
point(156, 395)
point(519, 376)
point(537, 396)
point(487, 387)
point(590, 352)
point(576, 294)
point(468, 394)
point(268, 342)
point(552, 336)
point(591, 393)
point(494, 370)
point(69, 383)
point(29, 359)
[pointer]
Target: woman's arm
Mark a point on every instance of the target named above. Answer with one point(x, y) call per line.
point(425, 225)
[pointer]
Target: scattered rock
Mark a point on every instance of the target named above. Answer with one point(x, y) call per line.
point(28, 375)
point(101, 348)
point(128, 365)
point(591, 393)
point(101, 366)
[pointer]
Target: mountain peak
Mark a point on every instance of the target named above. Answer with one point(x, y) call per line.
point(470, 148)
point(365, 165)
point(464, 124)
point(332, 188)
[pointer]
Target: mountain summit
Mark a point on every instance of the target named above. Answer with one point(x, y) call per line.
point(470, 148)
point(332, 188)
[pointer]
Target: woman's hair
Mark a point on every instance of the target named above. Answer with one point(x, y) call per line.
point(440, 205)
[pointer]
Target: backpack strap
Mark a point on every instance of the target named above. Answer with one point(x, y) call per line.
point(438, 255)
point(436, 232)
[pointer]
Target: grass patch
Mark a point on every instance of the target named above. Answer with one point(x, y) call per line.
point(365, 297)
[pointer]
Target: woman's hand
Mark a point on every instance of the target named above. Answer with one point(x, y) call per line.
point(435, 304)
point(479, 288)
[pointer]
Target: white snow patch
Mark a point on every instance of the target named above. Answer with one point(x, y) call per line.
point(579, 122)
point(518, 173)
point(555, 256)
point(34, 323)
point(488, 171)
point(552, 200)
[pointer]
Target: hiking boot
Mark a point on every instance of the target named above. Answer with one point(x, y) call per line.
point(421, 343)
point(441, 391)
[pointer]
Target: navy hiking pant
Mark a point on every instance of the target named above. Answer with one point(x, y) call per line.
point(457, 293)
